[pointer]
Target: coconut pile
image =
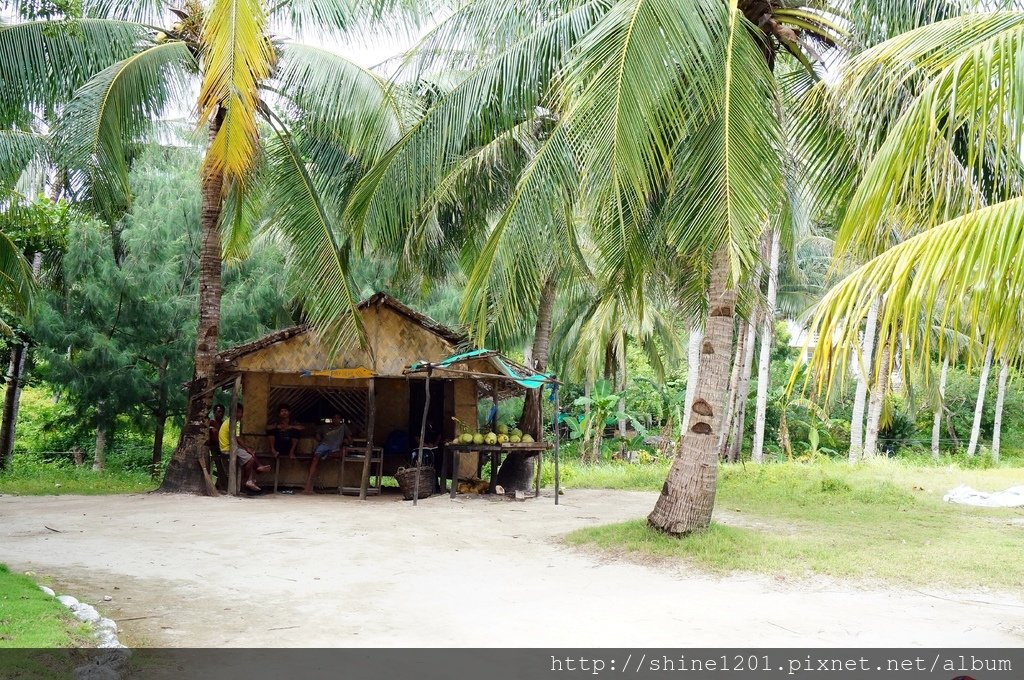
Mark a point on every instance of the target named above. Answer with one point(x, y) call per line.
point(501, 435)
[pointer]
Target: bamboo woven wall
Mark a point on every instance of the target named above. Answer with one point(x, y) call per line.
point(395, 341)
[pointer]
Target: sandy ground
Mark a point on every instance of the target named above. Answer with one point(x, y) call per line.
point(329, 571)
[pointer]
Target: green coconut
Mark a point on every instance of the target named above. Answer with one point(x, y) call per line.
point(478, 438)
point(490, 439)
point(502, 429)
point(466, 438)
point(516, 432)
point(502, 438)
point(515, 439)
point(527, 439)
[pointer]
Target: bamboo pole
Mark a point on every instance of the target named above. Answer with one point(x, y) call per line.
point(232, 433)
point(558, 438)
point(371, 402)
point(419, 451)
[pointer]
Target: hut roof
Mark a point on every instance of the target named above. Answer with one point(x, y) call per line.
point(454, 338)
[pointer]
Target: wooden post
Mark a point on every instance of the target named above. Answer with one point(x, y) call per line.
point(539, 434)
point(419, 451)
point(232, 433)
point(371, 403)
point(558, 437)
point(540, 439)
point(494, 404)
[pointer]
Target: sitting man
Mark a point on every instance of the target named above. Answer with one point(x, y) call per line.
point(244, 451)
point(213, 441)
point(284, 434)
point(330, 446)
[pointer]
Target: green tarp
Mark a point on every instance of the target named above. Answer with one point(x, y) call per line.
point(530, 381)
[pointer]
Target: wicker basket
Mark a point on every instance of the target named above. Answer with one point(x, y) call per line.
point(406, 478)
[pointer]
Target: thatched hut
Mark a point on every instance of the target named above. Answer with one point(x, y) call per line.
point(367, 385)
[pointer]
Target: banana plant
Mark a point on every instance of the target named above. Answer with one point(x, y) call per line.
point(603, 410)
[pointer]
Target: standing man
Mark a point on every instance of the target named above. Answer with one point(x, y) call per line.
point(245, 452)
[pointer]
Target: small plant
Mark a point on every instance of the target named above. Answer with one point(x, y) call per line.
point(601, 408)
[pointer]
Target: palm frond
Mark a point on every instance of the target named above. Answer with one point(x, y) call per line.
point(17, 285)
point(965, 273)
point(318, 255)
point(728, 172)
point(113, 110)
point(42, 63)
point(955, 148)
point(18, 149)
point(535, 218)
point(238, 58)
point(151, 12)
point(330, 18)
point(641, 78)
point(496, 95)
point(337, 100)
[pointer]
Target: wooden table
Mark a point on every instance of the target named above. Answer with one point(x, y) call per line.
point(496, 450)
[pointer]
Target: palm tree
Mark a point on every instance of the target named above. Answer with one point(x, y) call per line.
point(948, 174)
point(654, 101)
point(288, 126)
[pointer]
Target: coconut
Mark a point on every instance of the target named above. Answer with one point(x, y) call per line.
point(490, 438)
point(527, 439)
point(478, 438)
point(466, 438)
point(515, 439)
point(502, 429)
point(516, 432)
point(502, 438)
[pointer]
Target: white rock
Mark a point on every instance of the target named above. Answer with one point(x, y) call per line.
point(67, 600)
point(107, 639)
point(114, 644)
point(85, 612)
point(106, 624)
point(47, 591)
point(107, 598)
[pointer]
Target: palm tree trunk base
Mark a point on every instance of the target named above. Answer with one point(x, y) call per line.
point(516, 472)
point(688, 495)
point(183, 473)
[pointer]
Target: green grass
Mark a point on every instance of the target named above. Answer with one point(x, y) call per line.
point(62, 480)
point(29, 618)
point(883, 521)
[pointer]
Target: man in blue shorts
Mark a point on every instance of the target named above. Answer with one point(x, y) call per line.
point(336, 437)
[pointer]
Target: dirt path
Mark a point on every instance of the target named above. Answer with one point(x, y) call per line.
point(324, 571)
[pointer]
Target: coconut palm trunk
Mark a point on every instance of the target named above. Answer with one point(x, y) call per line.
point(15, 381)
point(620, 383)
point(688, 495)
point(937, 416)
point(516, 472)
point(742, 396)
point(733, 389)
point(183, 471)
point(979, 405)
point(764, 359)
point(693, 344)
point(875, 404)
point(1004, 373)
point(863, 371)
